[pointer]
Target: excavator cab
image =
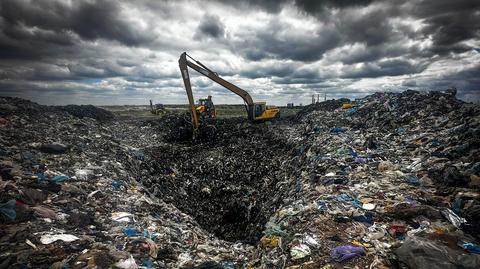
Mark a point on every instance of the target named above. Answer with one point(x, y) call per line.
point(259, 109)
point(206, 108)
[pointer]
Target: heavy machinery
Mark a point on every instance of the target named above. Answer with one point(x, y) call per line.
point(157, 109)
point(256, 111)
point(206, 108)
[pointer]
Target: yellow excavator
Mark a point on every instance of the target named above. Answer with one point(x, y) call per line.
point(256, 111)
point(157, 109)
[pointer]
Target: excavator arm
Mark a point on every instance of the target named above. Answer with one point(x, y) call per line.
point(188, 87)
point(256, 111)
point(184, 63)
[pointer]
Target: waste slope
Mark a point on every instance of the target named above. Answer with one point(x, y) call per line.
point(230, 186)
point(88, 111)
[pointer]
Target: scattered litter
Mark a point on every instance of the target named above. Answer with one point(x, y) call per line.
point(129, 263)
point(28, 242)
point(368, 206)
point(470, 247)
point(395, 174)
point(343, 253)
point(419, 252)
point(270, 241)
point(60, 178)
point(130, 232)
point(122, 216)
point(50, 238)
point(8, 209)
point(299, 251)
point(453, 218)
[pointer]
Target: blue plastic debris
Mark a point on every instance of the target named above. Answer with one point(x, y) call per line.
point(300, 150)
point(148, 234)
point(59, 179)
point(322, 206)
point(365, 218)
point(356, 203)
point(457, 205)
point(8, 209)
point(400, 130)
point(352, 152)
point(130, 232)
point(228, 265)
point(412, 180)
point(471, 247)
point(435, 143)
point(344, 198)
point(337, 130)
point(351, 110)
point(139, 155)
point(117, 184)
point(41, 177)
point(298, 185)
point(147, 263)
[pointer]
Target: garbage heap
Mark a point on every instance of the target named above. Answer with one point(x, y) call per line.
point(390, 180)
point(70, 197)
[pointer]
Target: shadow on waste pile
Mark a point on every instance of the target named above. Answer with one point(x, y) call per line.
point(230, 185)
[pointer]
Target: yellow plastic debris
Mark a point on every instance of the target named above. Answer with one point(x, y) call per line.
point(347, 106)
point(357, 243)
point(271, 241)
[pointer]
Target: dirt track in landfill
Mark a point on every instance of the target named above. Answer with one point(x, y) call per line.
point(394, 168)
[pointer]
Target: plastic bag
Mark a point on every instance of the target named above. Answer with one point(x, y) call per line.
point(420, 253)
point(343, 253)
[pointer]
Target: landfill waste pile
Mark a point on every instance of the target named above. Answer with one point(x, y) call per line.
point(88, 111)
point(391, 180)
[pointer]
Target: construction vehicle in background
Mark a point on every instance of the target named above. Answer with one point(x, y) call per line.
point(157, 109)
point(256, 111)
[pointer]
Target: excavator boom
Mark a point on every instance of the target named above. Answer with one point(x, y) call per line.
point(255, 111)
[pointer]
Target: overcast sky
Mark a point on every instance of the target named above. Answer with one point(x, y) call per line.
point(126, 52)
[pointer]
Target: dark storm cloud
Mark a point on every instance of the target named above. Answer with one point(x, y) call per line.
point(373, 29)
point(383, 68)
point(372, 53)
point(56, 21)
point(210, 26)
point(278, 40)
point(308, 6)
point(18, 42)
point(448, 23)
point(268, 71)
point(448, 30)
point(292, 46)
point(467, 80)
